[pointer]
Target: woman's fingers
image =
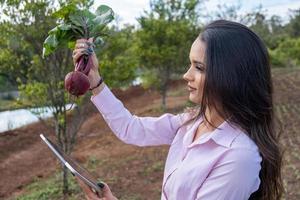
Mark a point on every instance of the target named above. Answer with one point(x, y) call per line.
point(79, 45)
point(107, 192)
point(86, 47)
point(82, 40)
point(83, 43)
point(82, 47)
point(77, 53)
point(90, 195)
point(76, 56)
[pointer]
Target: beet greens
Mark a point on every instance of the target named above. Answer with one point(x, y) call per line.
point(75, 24)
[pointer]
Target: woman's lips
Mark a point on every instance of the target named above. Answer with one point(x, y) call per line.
point(191, 88)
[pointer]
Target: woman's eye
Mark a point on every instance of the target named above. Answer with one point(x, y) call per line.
point(200, 68)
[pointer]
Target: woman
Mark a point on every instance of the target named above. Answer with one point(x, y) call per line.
point(225, 149)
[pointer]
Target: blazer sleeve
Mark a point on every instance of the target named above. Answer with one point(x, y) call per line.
point(131, 129)
point(235, 177)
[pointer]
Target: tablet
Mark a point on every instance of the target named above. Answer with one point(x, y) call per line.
point(74, 167)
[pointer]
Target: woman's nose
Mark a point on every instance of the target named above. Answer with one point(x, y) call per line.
point(187, 75)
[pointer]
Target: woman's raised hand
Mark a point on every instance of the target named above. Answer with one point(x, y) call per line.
point(82, 47)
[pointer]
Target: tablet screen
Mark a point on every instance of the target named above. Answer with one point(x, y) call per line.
point(72, 165)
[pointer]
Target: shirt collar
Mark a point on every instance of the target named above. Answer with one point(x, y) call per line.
point(223, 135)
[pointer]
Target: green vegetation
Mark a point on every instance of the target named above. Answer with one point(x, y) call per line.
point(287, 53)
point(51, 188)
point(77, 24)
point(164, 39)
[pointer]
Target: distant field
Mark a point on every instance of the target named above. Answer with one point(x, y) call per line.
point(287, 107)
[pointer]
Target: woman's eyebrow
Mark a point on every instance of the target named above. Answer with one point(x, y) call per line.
point(197, 62)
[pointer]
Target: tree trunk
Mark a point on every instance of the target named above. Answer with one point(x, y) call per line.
point(163, 100)
point(65, 182)
point(164, 87)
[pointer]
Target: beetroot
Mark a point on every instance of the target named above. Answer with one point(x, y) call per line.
point(84, 64)
point(77, 82)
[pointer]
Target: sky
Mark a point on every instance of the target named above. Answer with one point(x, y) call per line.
point(129, 10)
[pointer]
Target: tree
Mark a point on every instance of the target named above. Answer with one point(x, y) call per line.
point(287, 53)
point(118, 58)
point(293, 27)
point(14, 54)
point(270, 29)
point(227, 12)
point(165, 37)
point(40, 80)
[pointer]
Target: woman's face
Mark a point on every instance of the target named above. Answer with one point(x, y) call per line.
point(195, 75)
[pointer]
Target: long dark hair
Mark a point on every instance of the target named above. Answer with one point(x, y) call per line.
point(238, 85)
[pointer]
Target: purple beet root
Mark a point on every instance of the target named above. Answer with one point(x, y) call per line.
point(77, 83)
point(84, 64)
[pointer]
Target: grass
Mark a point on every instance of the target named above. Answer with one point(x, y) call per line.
point(7, 104)
point(153, 167)
point(50, 188)
point(12, 104)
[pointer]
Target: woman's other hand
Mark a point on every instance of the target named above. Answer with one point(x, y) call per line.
point(84, 46)
point(90, 195)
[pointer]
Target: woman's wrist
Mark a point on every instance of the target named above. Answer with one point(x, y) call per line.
point(96, 83)
point(98, 89)
point(94, 78)
point(100, 80)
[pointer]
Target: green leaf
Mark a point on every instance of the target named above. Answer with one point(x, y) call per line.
point(64, 27)
point(61, 27)
point(65, 11)
point(104, 15)
point(103, 9)
point(77, 24)
point(78, 30)
point(71, 45)
point(53, 31)
point(97, 30)
point(76, 20)
point(87, 14)
point(49, 45)
point(81, 18)
point(58, 37)
point(64, 37)
point(98, 41)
